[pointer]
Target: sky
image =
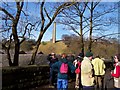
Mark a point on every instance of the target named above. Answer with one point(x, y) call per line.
point(63, 0)
point(59, 30)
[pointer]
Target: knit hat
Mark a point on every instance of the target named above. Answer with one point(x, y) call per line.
point(81, 55)
point(88, 54)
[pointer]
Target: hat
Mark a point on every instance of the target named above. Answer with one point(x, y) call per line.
point(81, 55)
point(52, 53)
point(88, 54)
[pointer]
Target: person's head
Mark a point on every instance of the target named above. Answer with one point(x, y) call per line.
point(97, 56)
point(89, 55)
point(81, 55)
point(64, 55)
point(52, 55)
point(117, 58)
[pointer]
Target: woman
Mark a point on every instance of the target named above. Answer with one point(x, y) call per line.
point(116, 72)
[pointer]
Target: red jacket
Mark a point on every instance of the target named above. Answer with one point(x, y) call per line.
point(77, 71)
point(116, 72)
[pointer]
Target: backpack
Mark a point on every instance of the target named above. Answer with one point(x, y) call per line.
point(64, 68)
point(77, 71)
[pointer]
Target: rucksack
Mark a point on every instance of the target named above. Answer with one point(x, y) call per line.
point(64, 68)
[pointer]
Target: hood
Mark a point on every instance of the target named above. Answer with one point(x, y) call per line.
point(64, 60)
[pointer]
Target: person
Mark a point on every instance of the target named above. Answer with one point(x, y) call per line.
point(62, 78)
point(116, 72)
point(77, 64)
point(52, 59)
point(87, 79)
point(99, 72)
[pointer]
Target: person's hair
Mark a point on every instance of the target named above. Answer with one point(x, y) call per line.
point(64, 55)
point(97, 56)
point(118, 56)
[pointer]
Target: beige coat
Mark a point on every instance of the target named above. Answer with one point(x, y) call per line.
point(86, 72)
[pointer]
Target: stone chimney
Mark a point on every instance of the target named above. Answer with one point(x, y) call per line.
point(54, 33)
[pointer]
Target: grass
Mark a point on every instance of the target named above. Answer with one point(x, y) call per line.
point(49, 47)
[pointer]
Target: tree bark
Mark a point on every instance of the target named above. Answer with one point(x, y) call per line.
point(36, 49)
point(81, 33)
point(91, 28)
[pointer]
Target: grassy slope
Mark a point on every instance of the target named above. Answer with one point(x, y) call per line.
point(49, 47)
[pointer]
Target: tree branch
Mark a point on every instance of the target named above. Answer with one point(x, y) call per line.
point(47, 14)
point(7, 13)
point(105, 36)
point(42, 16)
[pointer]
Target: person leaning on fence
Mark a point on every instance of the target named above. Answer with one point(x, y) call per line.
point(116, 72)
point(87, 78)
point(99, 71)
point(63, 67)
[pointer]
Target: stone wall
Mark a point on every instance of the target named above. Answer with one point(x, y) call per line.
point(19, 78)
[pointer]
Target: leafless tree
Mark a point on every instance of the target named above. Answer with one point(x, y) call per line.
point(88, 17)
point(13, 29)
point(46, 22)
point(73, 19)
point(99, 18)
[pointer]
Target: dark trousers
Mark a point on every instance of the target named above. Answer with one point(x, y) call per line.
point(88, 88)
point(98, 82)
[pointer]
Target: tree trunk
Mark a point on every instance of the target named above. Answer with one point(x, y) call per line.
point(90, 35)
point(16, 55)
point(17, 45)
point(9, 58)
point(82, 45)
point(36, 49)
point(81, 37)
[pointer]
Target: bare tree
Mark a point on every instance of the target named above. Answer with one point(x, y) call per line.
point(15, 29)
point(90, 17)
point(98, 20)
point(74, 20)
point(14, 34)
point(45, 24)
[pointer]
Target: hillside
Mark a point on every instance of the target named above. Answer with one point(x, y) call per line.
point(103, 49)
point(48, 47)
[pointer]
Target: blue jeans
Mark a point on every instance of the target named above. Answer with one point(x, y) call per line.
point(62, 84)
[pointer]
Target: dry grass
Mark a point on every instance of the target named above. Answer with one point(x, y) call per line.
point(57, 48)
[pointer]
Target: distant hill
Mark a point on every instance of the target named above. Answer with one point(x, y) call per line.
point(48, 47)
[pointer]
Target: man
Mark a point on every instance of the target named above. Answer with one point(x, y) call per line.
point(99, 67)
point(52, 59)
point(62, 78)
point(87, 78)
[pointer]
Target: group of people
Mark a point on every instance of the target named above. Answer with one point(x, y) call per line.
point(89, 71)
